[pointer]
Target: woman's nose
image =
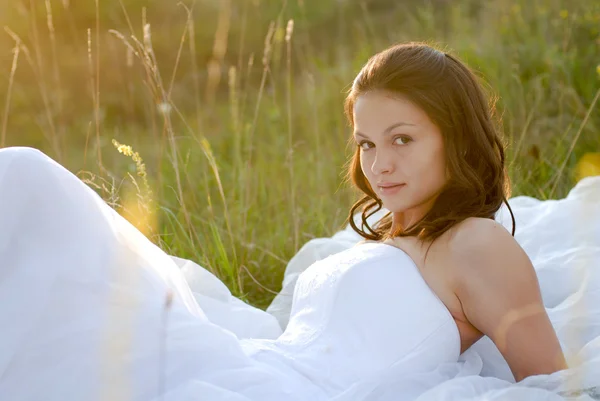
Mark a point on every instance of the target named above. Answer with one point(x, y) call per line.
point(383, 163)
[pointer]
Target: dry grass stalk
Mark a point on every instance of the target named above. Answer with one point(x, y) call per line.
point(219, 51)
point(11, 78)
point(295, 215)
point(38, 68)
point(145, 53)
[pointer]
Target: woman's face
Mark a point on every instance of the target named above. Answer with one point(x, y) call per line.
point(402, 148)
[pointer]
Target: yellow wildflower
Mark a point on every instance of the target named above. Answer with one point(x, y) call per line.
point(588, 165)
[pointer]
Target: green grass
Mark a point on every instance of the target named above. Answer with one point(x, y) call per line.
point(239, 171)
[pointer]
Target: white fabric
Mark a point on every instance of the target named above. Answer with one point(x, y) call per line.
point(84, 312)
point(222, 308)
point(336, 340)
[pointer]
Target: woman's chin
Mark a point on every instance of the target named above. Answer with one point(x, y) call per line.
point(394, 207)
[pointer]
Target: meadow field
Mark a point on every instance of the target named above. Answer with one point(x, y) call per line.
point(217, 126)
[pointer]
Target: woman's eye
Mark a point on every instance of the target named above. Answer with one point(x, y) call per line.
point(361, 145)
point(402, 140)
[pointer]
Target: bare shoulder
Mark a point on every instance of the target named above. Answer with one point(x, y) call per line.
point(481, 248)
point(477, 240)
point(498, 289)
point(478, 231)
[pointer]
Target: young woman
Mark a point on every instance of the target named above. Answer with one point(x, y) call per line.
point(91, 310)
point(427, 150)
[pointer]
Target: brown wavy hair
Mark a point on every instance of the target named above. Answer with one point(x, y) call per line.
point(451, 96)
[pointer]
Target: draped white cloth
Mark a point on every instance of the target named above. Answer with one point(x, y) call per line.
point(92, 310)
point(562, 238)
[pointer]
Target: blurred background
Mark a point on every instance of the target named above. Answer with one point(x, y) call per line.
point(217, 127)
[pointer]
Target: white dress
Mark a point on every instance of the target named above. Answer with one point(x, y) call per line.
point(92, 310)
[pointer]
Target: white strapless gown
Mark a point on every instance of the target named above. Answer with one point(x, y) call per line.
point(85, 310)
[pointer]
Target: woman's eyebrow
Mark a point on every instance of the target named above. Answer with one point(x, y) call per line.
point(387, 130)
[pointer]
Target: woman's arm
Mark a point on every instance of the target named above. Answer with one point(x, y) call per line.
point(500, 294)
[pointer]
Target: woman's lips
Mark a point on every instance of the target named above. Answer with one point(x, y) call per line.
point(391, 189)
